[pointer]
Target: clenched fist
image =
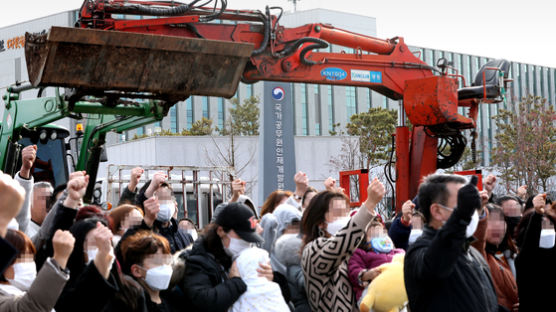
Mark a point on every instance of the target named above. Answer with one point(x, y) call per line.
point(407, 210)
point(136, 174)
point(375, 193)
point(157, 180)
point(28, 156)
point(76, 188)
point(62, 243)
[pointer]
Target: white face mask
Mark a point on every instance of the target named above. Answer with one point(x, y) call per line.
point(158, 278)
point(236, 247)
point(166, 212)
point(91, 254)
point(414, 235)
point(472, 226)
point(193, 233)
point(24, 275)
point(333, 227)
point(547, 240)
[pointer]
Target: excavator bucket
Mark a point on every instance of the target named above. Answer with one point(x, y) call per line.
point(168, 67)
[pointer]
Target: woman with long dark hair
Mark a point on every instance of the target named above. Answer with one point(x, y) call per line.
point(330, 237)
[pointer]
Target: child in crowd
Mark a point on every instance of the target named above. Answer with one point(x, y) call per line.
point(375, 250)
point(261, 294)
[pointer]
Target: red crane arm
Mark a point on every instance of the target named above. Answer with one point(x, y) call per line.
point(287, 54)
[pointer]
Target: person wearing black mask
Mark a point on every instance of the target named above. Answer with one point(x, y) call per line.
point(512, 208)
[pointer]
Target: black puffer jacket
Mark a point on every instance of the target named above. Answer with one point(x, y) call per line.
point(443, 273)
point(535, 267)
point(206, 284)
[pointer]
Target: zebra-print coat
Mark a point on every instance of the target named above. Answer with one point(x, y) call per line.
point(324, 262)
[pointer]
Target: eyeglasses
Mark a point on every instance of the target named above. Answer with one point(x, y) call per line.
point(447, 208)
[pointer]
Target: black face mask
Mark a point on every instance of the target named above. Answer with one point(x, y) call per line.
point(512, 224)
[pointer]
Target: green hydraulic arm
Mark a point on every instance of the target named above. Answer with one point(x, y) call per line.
point(22, 115)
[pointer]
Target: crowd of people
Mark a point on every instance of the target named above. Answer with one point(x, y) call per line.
point(462, 249)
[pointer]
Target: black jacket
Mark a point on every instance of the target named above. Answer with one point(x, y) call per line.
point(89, 292)
point(535, 270)
point(134, 298)
point(177, 238)
point(399, 233)
point(442, 273)
point(206, 284)
point(127, 197)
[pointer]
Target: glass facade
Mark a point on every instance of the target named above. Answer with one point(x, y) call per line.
point(221, 113)
point(206, 108)
point(351, 102)
point(189, 113)
point(317, 110)
point(304, 110)
point(331, 119)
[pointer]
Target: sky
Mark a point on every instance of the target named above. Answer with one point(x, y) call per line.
point(521, 31)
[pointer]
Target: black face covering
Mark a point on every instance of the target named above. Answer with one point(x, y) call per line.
point(512, 224)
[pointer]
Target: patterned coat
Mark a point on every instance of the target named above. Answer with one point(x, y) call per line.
point(325, 266)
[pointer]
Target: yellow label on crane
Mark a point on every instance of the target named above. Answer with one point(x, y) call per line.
point(79, 127)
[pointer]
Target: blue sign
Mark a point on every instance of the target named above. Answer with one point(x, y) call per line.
point(376, 77)
point(278, 93)
point(277, 158)
point(333, 73)
point(366, 76)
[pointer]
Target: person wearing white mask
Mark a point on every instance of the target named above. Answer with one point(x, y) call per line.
point(147, 270)
point(92, 266)
point(212, 281)
point(442, 272)
point(330, 236)
point(159, 205)
point(21, 288)
point(534, 262)
point(188, 226)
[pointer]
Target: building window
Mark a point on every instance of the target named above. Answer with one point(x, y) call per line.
point(221, 113)
point(206, 111)
point(369, 99)
point(304, 110)
point(174, 119)
point(140, 130)
point(470, 75)
point(331, 119)
point(189, 112)
point(249, 90)
point(527, 80)
point(317, 110)
point(429, 57)
point(460, 70)
point(351, 102)
point(549, 73)
point(534, 73)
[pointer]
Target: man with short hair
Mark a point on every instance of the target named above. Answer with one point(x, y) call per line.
point(442, 271)
point(41, 193)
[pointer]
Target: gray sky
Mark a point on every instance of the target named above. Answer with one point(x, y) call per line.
point(516, 30)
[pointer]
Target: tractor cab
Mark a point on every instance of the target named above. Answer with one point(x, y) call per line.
point(51, 165)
